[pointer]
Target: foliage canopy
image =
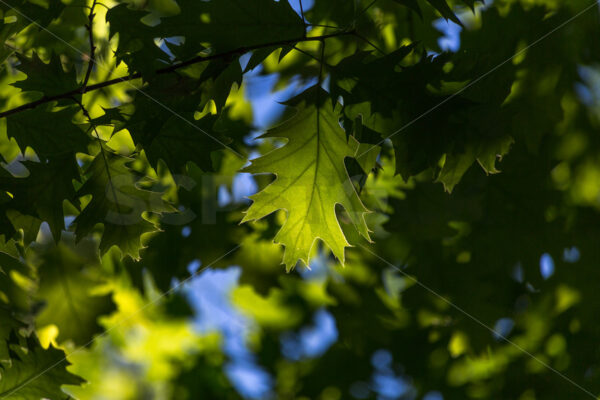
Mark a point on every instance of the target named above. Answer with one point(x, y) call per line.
point(446, 197)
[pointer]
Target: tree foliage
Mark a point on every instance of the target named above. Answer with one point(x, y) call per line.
point(440, 202)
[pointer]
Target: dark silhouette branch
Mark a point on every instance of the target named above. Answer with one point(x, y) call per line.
point(69, 94)
point(166, 70)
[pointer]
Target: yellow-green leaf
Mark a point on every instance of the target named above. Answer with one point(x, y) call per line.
point(311, 180)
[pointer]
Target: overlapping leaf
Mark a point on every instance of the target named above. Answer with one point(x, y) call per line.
point(233, 24)
point(441, 6)
point(49, 134)
point(136, 40)
point(225, 24)
point(402, 106)
point(47, 78)
point(36, 373)
point(19, 14)
point(118, 204)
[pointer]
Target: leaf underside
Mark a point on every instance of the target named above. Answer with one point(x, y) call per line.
point(311, 179)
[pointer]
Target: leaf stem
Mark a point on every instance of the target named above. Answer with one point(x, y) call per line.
point(322, 61)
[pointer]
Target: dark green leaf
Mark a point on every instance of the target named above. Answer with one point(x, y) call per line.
point(49, 134)
point(117, 203)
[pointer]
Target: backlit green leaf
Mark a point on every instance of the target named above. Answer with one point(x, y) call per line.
point(311, 179)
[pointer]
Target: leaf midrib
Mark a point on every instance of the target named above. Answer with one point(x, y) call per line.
point(312, 193)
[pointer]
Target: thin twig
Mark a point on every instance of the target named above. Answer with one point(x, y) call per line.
point(92, 56)
point(301, 9)
point(243, 50)
point(369, 42)
point(364, 10)
point(166, 70)
point(91, 62)
point(303, 19)
point(306, 53)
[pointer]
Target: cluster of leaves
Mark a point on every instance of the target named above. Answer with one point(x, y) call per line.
point(454, 170)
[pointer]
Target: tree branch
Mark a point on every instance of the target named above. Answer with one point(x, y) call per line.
point(166, 70)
